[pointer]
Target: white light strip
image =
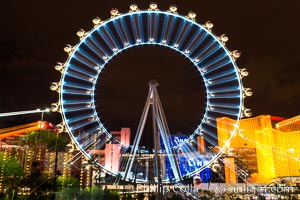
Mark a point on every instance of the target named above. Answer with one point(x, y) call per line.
point(24, 112)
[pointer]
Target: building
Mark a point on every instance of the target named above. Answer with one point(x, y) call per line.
point(122, 136)
point(187, 160)
point(113, 151)
point(287, 147)
point(268, 149)
point(112, 157)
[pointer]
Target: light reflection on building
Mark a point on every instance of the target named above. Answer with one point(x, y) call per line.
point(275, 146)
point(267, 148)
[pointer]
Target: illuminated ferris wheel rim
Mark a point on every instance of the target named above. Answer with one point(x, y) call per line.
point(156, 43)
point(207, 118)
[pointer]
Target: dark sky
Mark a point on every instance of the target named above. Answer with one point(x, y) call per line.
point(33, 34)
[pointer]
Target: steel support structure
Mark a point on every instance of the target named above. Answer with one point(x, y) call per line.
point(160, 130)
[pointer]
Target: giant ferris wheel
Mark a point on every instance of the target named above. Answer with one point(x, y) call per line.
point(140, 28)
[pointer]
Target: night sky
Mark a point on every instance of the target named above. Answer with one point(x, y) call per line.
point(34, 33)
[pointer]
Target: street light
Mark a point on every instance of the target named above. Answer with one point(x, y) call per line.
point(42, 112)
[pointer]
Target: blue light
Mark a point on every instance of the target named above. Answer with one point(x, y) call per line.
point(199, 45)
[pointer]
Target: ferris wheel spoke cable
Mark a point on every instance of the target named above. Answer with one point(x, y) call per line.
point(79, 118)
point(152, 19)
point(226, 90)
point(213, 65)
point(168, 28)
point(126, 31)
point(103, 34)
point(135, 23)
point(223, 74)
point(81, 125)
point(120, 32)
point(86, 59)
point(209, 68)
point(93, 44)
point(208, 53)
point(182, 34)
point(79, 86)
point(77, 108)
point(78, 76)
point(76, 92)
point(195, 41)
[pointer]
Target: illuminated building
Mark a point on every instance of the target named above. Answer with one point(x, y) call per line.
point(275, 152)
point(230, 171)
point(112, 157)
point(287, 147)
point(123, 136)
point(289, 125)
point(11, 132)
point(188, 162)
point(201, 144)
point(112, 152)
point(109, 156)
point(5, 155)
point(243, 157)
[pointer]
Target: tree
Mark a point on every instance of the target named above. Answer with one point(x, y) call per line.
point(46, 137)
point(12, 175)
point(141, 196)
point(114, 195)
point(68, 187)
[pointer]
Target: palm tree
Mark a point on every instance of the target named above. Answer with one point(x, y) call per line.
point(46, 137)
point(39, 183)
point(13, 174)
point(68, 188)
